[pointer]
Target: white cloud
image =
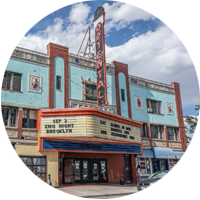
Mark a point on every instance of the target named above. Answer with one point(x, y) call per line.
point(120, 15)
point(159, 56)
point(70, 36)
point(79, 13)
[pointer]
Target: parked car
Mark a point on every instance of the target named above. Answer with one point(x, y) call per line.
point(151, 180)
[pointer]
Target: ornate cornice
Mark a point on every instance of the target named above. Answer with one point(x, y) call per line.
point(150, 85)
point(88, 63)
point(29, 56)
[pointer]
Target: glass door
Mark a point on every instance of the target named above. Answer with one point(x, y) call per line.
point(85, 167)
point(77, 164)
point(156, 166)
point(103, 167)
point(95, 171)
point(163, 165)
point(127, 168)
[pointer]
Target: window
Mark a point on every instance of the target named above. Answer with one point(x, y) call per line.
point(154, 106)
point(157, 132)
point(5, 114)
point(58, 82)
point(144, 131)
point(122, 94)
point(91, 92)
point(172, 133)
point(12, 81)
point(9, 116)
point(29, 118)
point(144, 165)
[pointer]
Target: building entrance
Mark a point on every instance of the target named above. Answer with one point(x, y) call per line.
point(85, 171)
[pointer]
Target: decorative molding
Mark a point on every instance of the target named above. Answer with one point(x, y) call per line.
point(159, 144)
point(22, 106)
point(153, 85)
point(30, 56)
point(33, 134)
point(145, 143)
point(139, 103)
point(34, 83)
point(169, 108)
point(175, 145)
point(88, 63)
point(159, 124)
point(77, 104)
point(12, 133)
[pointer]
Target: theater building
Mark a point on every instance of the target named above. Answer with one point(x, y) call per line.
point(50, 115)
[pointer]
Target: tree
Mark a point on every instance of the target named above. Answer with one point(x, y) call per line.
point(191, 122)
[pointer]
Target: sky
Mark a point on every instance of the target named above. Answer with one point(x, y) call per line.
point(133, 36)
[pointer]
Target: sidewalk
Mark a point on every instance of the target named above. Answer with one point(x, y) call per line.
point(99, 190)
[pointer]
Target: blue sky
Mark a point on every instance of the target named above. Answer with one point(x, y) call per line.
point(133, 36)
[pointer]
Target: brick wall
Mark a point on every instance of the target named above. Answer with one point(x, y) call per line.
point(121, 67)
point(57, 50)
point(19, 123)
point(179, 112)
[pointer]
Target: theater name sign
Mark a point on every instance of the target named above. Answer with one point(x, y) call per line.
point(89, 128)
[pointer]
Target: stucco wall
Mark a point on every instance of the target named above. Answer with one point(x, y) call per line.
point(154, 95)
point(26, 97)
point(75, 83)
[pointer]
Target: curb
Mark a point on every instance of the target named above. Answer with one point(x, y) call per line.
point(106, 195)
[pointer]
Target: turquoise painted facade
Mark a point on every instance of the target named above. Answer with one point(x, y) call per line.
point(26, 97)
point(75, 83)
point(142, 115)
point(123, 104)
point(59, 71)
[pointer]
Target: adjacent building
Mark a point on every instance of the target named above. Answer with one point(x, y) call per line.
point(50, 115)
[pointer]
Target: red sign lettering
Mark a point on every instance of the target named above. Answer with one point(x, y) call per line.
point(99, 55)
point(100, 97)
point(99, 64)
point(100, 84)
point(98, 36)
point(98, 27)
point(99, 72)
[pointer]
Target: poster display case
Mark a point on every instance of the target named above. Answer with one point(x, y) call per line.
point(36, 164)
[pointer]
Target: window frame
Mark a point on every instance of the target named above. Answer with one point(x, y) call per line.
point(123, 95)
point(84, 92)
point(28, 118)
point(91, 95)
point(9, 116)
point(60, 78)
point(175, 133)
point(12, 74)
point(155, 106)
point(160, 131)
point(144, 131)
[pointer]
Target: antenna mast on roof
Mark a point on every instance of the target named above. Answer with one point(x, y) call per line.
point(88, 47)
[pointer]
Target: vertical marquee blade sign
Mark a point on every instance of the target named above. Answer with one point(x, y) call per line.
point(99, 20)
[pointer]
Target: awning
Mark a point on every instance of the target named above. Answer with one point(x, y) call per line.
point(178, 154)
point(146, 154)
point(160, 152)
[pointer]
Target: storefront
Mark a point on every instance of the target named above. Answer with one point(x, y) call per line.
point(93, 146)
point(157, 159)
